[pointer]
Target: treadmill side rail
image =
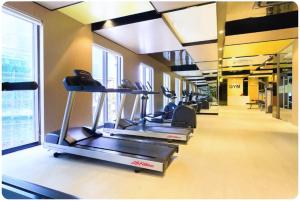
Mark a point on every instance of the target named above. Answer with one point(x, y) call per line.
point(126, 159)
point(149, 134)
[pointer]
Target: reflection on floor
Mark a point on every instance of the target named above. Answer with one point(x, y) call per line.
point(240, 153)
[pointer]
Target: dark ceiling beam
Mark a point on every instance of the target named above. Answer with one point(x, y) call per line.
point(184, 67)
point(129, 19)
point(200, 42)
point(265, 23)
point(211, 78)
point(240, 72)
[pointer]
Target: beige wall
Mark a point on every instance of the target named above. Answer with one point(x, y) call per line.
point(68, 45)
point(295, 90)
point(235, 91)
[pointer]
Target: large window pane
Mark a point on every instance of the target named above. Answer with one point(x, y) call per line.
point(112, 82)
point(19, 55)
point(107, 70)
point(98, 71)
point(147, 76)
point(177, 90)
point(167, 85)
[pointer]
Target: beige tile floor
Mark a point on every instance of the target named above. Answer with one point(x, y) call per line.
point(239, 154)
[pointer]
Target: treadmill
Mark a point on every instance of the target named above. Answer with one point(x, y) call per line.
point(85, 141)
point(142, 129)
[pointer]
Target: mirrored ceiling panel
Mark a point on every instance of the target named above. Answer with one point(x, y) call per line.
point(173, 58)
point(144, 37)
point(164, 6)
point(194, 24)
point(279, 34)
point(243, 61)
point(95, 11)
point(53, 5)
point(205, 52)
point(253, 49)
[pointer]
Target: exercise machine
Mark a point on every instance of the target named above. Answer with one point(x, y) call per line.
point(176, 131)
point(87, 142)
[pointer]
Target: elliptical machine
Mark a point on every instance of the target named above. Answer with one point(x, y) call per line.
point(187, 99)
point(171, 106)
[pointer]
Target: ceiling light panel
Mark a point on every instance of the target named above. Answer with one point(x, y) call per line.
point(163, 6)
point(189, 73)
point(143, 37)
point(252, 49)
point(194, 24)
point(245, 60)
point(207, 66)
point(95, 11)
point(52, 5)
point(194, 77)
point(206, 52)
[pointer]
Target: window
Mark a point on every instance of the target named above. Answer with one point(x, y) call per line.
point(177, 90)
point(167, 85)
point(20, 63)
point(107, 69)
point(183, 85)
point(147, 75)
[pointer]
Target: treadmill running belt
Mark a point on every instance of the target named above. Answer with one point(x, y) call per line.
point(129, 147)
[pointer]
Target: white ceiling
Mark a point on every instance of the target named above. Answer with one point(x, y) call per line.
point(143, 37)
point(204, 66)
point(206, 52)
point(52, 5)
point(162, 6)
point(194, 24)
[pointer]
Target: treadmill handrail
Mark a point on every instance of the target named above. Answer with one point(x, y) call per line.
point(17, 86)
point(35, 189)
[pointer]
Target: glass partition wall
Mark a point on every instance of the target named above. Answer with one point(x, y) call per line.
point(282, 85)
point(285, 84)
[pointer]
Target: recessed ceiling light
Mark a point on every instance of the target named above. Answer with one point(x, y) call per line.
point(221, 31)
point(220, 49)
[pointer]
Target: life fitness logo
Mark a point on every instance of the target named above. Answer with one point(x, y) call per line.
point(141, 164)
point(234, 86)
